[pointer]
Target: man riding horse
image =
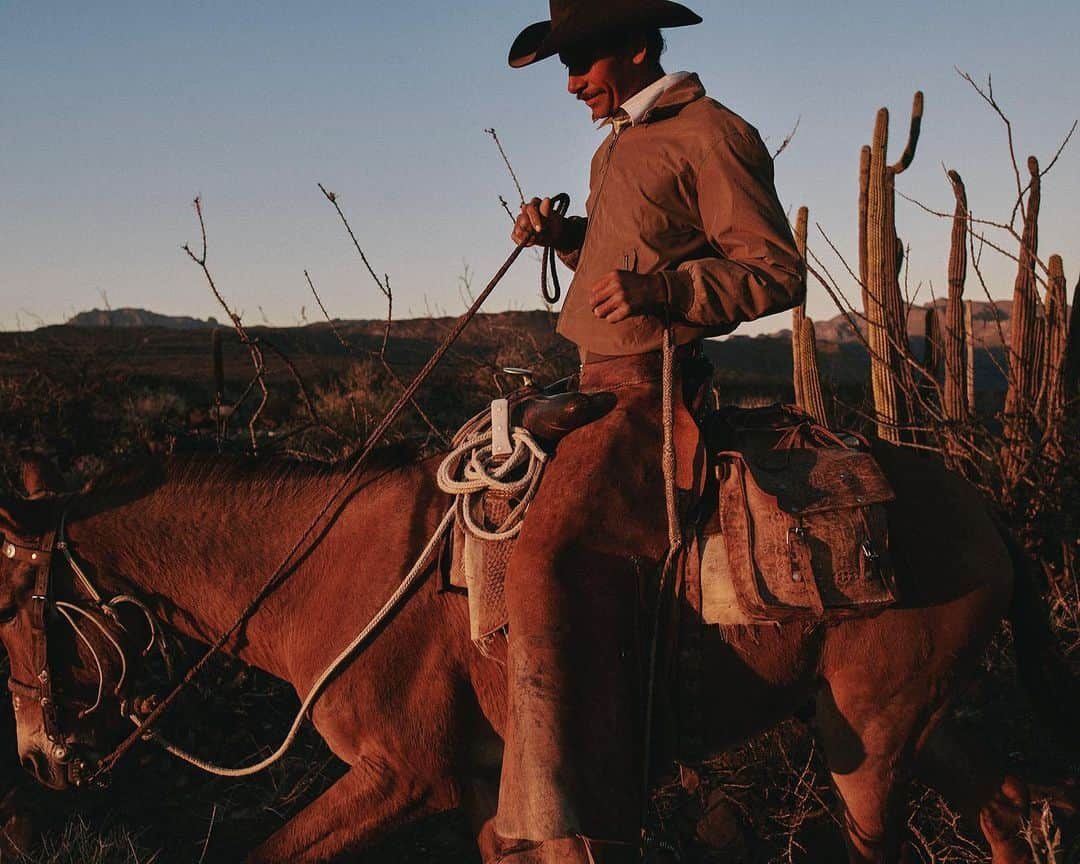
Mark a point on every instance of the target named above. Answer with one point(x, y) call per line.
point(683, 235)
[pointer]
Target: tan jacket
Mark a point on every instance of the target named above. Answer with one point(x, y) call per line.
point(687, 193)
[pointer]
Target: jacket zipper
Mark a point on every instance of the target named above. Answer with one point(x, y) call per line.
point(600, 189)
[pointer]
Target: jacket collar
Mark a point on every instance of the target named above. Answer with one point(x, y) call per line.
point(642, 102)
point(674, 99)
point(679, 89)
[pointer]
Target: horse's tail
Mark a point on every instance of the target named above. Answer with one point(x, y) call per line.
point(1053, 689)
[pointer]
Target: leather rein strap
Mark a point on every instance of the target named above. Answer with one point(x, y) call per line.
point(39, 557)
point(560, 204)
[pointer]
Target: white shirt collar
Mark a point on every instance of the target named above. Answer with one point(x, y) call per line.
point(638, 105)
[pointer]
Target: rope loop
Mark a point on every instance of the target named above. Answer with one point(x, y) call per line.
point(470, 470)
point(560, 204)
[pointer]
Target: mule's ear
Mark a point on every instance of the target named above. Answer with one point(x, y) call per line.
point(40, 477)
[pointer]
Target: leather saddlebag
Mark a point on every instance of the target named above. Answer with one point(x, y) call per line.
point(805, 532)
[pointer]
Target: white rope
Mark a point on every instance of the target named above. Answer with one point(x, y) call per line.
point(469, 471)
point(465, 473)
point(414, 575)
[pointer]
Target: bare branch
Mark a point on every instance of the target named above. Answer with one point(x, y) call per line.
point(509, 167)
point(784, 144)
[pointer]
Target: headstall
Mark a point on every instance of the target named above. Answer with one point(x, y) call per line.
point(100, 614)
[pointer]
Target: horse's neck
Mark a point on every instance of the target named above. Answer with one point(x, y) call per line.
point(199, 556)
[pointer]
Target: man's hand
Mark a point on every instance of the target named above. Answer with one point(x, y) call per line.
point(537, 225)
point(622, 293)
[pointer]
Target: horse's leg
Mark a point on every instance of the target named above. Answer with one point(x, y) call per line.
point(867, 773)
point(871, 721)
point(371, 800)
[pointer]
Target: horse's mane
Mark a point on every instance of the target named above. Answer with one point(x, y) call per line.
point(271, 475)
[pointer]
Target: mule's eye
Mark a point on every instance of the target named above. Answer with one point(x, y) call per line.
point(7, 614)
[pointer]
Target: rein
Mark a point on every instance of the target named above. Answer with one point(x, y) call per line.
point(281, 572)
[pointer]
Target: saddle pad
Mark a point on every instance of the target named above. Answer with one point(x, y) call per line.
point(480, 566)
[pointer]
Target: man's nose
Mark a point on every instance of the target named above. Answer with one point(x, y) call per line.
point(575, 84)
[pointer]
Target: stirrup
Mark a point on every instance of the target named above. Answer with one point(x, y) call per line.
point(653, 845)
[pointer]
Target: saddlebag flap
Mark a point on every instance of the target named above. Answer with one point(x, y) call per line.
point(804, 532)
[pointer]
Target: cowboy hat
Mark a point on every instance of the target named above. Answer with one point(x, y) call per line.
point(575, 21)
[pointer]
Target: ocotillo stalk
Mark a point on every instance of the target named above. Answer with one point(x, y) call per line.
point(799, 312)
point(1052, 392)
point(933, 344)
point(1071, 375)
point(1024, 340)
point(884, 304)
point(955, 368)
point(811, 386)
point(969, 343)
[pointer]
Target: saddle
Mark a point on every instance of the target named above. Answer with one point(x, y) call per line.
point(792, 525)
point(798, 530)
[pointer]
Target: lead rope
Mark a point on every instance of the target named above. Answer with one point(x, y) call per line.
point(675, 541)
point(411, 579)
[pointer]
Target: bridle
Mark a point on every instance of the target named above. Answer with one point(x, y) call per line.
point(97, 613)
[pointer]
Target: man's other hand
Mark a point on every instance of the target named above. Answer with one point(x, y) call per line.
point(622, 293)
point(537, 225)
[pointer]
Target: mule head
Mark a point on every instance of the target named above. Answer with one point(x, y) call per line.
point(62, 649)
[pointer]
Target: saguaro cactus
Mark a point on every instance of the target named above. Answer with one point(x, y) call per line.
point(969, 344)
point(1051, 404)
point(814, 402)
point(955, 395)
point(1024, 341)
point(864, 204)
point(883, 253)
point(799, 312)
point(1071, 373)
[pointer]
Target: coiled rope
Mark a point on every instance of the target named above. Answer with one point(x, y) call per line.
point(470, 470)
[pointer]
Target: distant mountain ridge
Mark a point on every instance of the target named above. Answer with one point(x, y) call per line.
point(130, 317)
point(990, 329)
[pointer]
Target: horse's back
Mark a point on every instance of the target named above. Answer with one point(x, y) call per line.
point(943, 541)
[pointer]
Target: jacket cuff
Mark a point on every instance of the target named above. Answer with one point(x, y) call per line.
point(679, 290)
point(573, 235)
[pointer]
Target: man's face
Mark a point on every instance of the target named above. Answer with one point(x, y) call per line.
point(603, 76)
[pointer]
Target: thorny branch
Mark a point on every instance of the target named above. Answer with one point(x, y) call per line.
point(252, 344)
point(509, 167)
point(380, 355)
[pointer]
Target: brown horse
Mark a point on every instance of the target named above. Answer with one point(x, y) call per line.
point(419, 713)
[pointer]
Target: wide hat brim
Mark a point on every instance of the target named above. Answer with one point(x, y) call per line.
point(541, 40)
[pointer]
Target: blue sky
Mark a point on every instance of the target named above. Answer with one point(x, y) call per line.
point(114, 115)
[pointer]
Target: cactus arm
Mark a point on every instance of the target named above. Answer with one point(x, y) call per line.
point(913, 136)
